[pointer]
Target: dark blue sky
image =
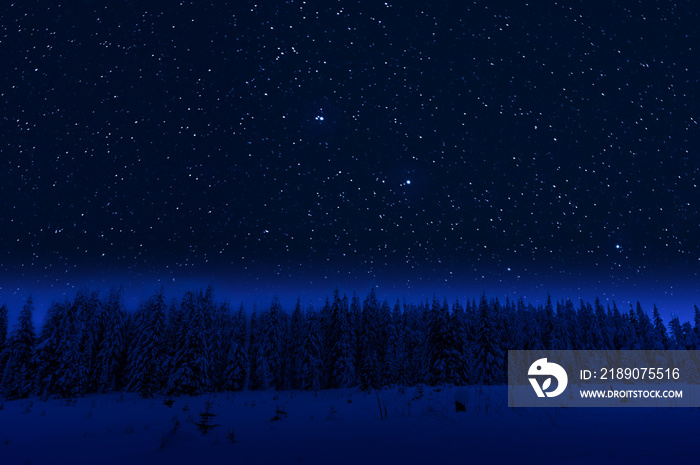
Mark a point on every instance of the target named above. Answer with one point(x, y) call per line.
point(447, 147)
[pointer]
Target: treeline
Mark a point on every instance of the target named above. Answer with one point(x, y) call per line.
point(195, 345)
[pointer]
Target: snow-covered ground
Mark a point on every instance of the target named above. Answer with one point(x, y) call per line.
point(339, 427)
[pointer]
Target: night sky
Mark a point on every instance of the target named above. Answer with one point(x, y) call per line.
point(289, 147)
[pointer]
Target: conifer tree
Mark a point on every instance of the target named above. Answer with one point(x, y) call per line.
point(149, 351)
point(18, 376)
point(253, 341)
point(112, 353)
point(623, 332)
point(459, 356)
point(274, 344)
point(81, 332)
point(383, 326)
point(340, 351)
point(690, 341)
point(312, 364)
point(3, 336)
point(677, 336)
point(489, 358)
point(327, 343)
point(296, 346)
point(207, 307)
point(438, 342)
point(605, 342)
point(356, 321)
point(560, 338)
point(91, 311)
point(395, 347)
point(531, 330)
point(548, 324)
point(660, 340)
point(46, 352)
point(190, 367)
point(417, 370)
point(223, 340)
point(592, 335)
point(238, 363)
point(644, 328)
point(261, 379)
point(174, 336)
point(71, 375)
point(206, 418)
point(369, 375)
point(512, 332)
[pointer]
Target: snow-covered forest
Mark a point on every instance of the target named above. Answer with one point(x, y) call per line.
point(195, 345)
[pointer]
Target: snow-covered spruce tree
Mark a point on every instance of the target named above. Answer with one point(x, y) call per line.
point(469, 328)
point(148, 352)
point(80, 331)
point(190, 364)
point(677, 337)
point(356, 323)
point(530, 329)
point(560, 338)
point(18, 376)
point(327, 343)
point(207, 304)
point(696, 327)
point(273, 344)
point(112, 354)
point(516, 336)
point(511, 331)
point(3, 336)
point(383, 344)
point(489, 358)
point(341, 363)
point(396, 355)
point(236, 378)
point(47, 355)
point(174, 336)
point(644, 327)
point(417, 370)
point(573, 328)
point(606, 329)
point(370, 369)
point(660, 339)
point(296, 346)
point(458, 361)
point(690, 341)
point(312, 358)
point(261, 379)
point(592, 334)
point(90, 310)
point(347, 353)
point(548, 323)
point(223, 345)
point(438, 342)
point(498, 314)
point(72, 376)
point(253, 340)
point(621, 331)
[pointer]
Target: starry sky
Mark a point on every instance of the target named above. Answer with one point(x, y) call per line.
point(518, 147)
